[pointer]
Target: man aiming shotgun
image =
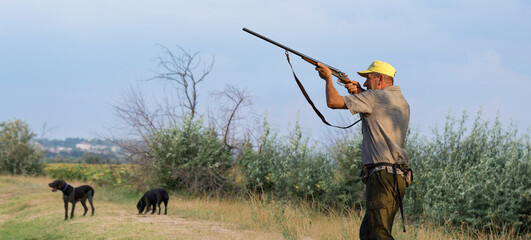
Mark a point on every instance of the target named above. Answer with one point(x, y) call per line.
point(384, 113)
point(342, 77)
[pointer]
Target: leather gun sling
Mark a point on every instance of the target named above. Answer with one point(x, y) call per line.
point(310, 101)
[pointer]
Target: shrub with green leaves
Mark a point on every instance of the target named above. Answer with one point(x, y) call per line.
point(347, 189)
point(291, 168)
point(478, 177)
point(191, 158)
point(17, 154)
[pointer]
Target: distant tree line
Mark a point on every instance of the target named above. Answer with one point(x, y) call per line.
point(72, 154)
point(72, 142)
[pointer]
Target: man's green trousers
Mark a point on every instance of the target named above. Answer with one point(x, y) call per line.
point(382, 205)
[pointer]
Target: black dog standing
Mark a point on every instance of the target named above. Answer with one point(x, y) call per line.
point(73, 195)
point(152, 197)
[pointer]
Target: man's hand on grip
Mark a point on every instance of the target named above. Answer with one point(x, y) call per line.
point(324, 71)
point(354, 87)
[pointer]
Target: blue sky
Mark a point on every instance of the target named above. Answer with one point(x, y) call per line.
point(65, 63)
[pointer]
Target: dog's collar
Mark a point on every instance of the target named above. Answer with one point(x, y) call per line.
point(64, 187)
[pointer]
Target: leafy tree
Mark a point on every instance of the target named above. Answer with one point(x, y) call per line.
point(191, 158)
point(17, 154)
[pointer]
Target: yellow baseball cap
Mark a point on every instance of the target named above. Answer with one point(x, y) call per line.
point(379, 67)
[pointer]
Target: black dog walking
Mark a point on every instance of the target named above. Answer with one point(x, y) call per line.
point(74, 194)
point(153, 198)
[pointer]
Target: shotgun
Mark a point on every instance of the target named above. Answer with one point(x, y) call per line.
point(342, 77)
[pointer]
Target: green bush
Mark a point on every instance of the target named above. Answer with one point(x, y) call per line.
point(290, 168)
point(191, 158)
point(347, 189)
point(17, 154)
point(478, 177)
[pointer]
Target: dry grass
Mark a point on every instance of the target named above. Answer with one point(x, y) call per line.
point(302, 221)
point(28, 205)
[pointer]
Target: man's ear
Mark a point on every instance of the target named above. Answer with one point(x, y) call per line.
point(380, 82)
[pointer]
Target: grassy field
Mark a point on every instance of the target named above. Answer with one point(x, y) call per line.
point(30, 210)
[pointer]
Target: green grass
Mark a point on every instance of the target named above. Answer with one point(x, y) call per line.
point(38, 228)
point(29, 210)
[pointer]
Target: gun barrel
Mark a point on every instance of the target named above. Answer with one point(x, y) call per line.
point(279, 45)
point(335, 71)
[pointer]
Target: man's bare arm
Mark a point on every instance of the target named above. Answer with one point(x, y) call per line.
point(333, 99)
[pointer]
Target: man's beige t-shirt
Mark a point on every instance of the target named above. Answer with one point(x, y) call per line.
point(385, 119)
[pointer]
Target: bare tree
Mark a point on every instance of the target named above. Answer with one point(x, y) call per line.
point(139, 122)
point(143, 117)
point(228, 117)
point(180, 69)
point(136, 114)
